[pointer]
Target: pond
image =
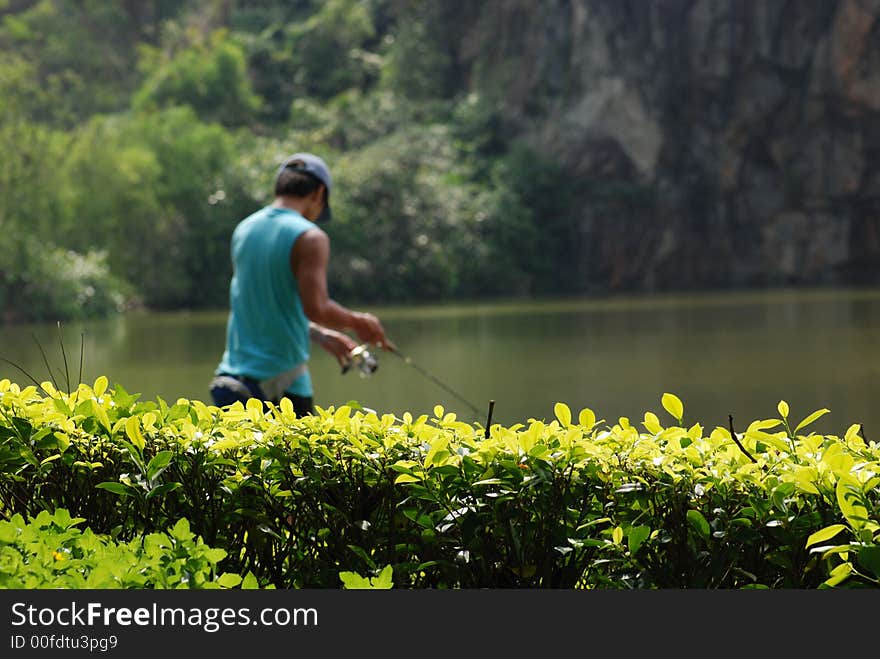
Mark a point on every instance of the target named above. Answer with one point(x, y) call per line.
point(722, 353)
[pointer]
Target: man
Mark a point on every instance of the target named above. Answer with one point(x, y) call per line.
point(278, 295)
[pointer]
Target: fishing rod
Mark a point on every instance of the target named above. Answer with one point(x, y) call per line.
point(367, 364)
point(433, 379)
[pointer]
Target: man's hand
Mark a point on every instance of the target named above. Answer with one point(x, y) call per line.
point(370, 330)
point(336, 343)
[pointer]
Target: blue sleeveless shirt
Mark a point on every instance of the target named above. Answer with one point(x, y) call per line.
point(267, 332)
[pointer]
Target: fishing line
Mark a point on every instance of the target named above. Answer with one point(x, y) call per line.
point(433, 379)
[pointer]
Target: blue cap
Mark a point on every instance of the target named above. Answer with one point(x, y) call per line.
point(314, 166)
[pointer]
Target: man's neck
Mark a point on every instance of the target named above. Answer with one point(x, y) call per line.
point(291, 203)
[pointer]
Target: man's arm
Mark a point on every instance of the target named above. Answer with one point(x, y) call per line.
point(308, 262)
point(336, 343)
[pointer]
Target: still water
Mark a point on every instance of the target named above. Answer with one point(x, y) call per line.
point(731, 353)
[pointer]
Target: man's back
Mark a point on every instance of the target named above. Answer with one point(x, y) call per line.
point(267, 331)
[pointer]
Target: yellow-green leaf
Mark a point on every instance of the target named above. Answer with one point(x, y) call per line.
point(100, 385)
point(652, 423)
point(587, 418)
point(407, 478)
point(852, 432)
point(563, 413)
point(825, 534)
point(673, 405)
point(804, 479)
point(101, 415)
point(696, 519)
point(839, 574)
point(810, 419)
point(617, 535)
point(849, 497)
point(765, 424)
point(133, 430)
point(783, 409)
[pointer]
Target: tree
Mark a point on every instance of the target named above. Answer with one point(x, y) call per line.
point(209, 75)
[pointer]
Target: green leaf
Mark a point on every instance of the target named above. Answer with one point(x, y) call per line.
point(133, 430)
point(250, 582)
point(354, 581)
point(163, 489)
point(406, 478)
point(696, 519)
point(636, 536)
point(100, 385)
point(869, 558)
point(116, 488)
point(383, 581)
point(839, 574)
point(849, 499)
point(61, 406)
point(673, 405)
point(178, 411)
point(587, 418)
point(8, 533)
point(488, 481)
point(783, 409)
point(181, 530)
point(100, 414)
point(159, 462)
point(215, 555)
point(229, 580)
point(825, 534)
point(563, 413)
point(815, 415)
point(652, 423)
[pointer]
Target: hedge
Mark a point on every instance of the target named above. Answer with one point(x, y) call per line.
point(576, 502)
point(51, 552)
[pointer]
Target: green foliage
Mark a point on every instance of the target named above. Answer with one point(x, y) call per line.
point(161, 193)
point(82, 53)
point(42, 282)
point(308, 51)
point(209, 76)
point(326, 49)
point(145, 131)
point(570, 502)
point(354, 581)
point(420, 65)
point(49, 551)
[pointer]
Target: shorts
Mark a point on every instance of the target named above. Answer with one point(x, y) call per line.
point(226, 389)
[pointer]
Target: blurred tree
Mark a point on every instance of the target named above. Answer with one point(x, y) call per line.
point(137, 134)
point(313, 50)
point(83, 52)
point(161, 193)
point(209, 75)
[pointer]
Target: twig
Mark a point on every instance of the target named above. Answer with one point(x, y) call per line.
point(738, 443)
point(46, 362)
point(862, 431)
point(64, 355)
point(28, 375)
point(489, 420)
point(82, 345)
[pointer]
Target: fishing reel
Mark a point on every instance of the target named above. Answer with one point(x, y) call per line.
point(363, 360)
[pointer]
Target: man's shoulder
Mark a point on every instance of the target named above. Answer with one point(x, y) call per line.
point(313, 234)
point(253, 217)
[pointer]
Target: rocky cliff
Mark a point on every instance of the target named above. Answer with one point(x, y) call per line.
point(712, 142)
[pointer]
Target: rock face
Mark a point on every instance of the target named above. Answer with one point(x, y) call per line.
point(713, 142)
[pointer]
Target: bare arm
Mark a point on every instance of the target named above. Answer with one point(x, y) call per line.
point(308, 262)
point(336, 343)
